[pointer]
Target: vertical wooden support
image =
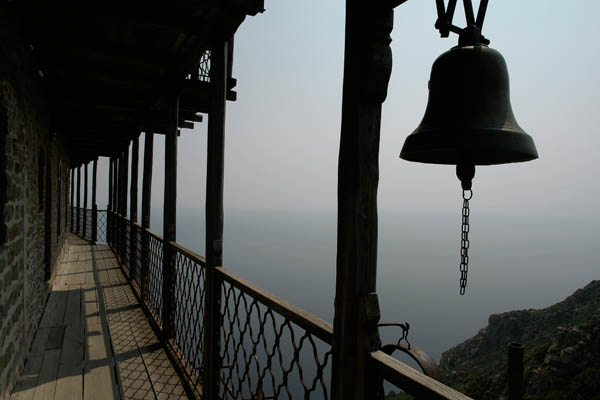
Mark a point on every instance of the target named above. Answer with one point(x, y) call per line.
point(367, 68)
point(214, 219)
point(169, 218)
point(515, 371)
point(72, 199)
point(124, 184)
point(94, 205)
point(78, 199)
point(110, 201)
point(133, 204)
point(146, 198)
point(85, 200)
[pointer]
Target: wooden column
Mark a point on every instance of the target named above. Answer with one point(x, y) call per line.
point(123, 191)
point(169, 217)
point(72, 199)
point(214, 218)
point(110, 200)
point(85, 199)
point(133, 204)
point(78, 199)
point(94, 205)
point(367, 68)
point(146, 209)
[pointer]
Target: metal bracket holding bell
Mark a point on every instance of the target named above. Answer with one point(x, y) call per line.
point(472, 33)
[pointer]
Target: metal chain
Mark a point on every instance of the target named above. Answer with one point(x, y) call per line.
point(464, 241)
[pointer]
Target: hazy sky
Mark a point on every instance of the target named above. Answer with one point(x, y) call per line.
point(283, 132)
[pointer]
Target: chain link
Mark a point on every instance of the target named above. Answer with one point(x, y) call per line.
point(464, 241)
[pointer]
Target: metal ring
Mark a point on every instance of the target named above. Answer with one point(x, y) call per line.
point(467, 194)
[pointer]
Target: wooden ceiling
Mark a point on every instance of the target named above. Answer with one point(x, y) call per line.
point(109, 68)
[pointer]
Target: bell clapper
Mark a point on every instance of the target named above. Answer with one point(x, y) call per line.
point(465, 172)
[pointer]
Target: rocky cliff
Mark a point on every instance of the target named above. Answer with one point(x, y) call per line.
point(562, 351)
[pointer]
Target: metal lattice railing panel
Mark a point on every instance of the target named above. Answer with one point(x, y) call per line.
point(188, 316)
point(266, 355)
point(155, 276)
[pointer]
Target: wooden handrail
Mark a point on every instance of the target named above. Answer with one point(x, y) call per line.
point(314, 325)
point(189, 253)
point(412, 381)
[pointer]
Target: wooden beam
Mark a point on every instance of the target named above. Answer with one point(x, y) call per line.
point(366, 76)
point(214, 219)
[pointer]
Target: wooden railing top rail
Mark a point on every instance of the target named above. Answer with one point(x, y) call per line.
point(314, 325)
point(189, 253)
point(413, 381)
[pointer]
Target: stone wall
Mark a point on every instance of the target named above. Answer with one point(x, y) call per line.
point(30, 157)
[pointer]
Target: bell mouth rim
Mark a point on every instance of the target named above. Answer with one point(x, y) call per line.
point(478, 147)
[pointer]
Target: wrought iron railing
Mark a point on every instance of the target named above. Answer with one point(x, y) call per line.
point(89, 223)
point(268, 348)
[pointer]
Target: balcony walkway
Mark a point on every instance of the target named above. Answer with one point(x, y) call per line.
point(94, 341)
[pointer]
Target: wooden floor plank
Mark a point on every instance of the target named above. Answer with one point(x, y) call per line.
point(73, 308)
point(90, 304)
point(69, 385)
point(98, 381)
point(25, 387)
point(47, 377)
point(55, 309)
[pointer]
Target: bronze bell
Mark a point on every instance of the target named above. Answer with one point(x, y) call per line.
point(469, 119)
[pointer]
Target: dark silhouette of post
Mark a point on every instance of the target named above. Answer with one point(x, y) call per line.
point(146, 199)
point(110, 201)
point(133, 203)
point(78, 199)
point(72, 184)
point(214, 218)
point(515, 371)
point(94, 205)
point(367, 68)
point(169, 217)
point(124, 183)
point(85, 199)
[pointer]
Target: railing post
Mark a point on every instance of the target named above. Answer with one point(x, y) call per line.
point(85, 199)
point(72, 183)
point(78, 199)
point(94, 205)
point(367, 68)
point(133, 203)
point(146, 199)
point(214, 219)
point(116, 205)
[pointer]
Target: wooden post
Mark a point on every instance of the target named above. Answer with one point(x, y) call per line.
point(214, 219)
point(515, 370)
point(110, 200)
point(133, 204)
point(124, 183)
point(72, 199)
point(94, 205)
point(146, 199)
point(169, 218)
point(367, 68)
point(85, 199)
point(78, 199)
